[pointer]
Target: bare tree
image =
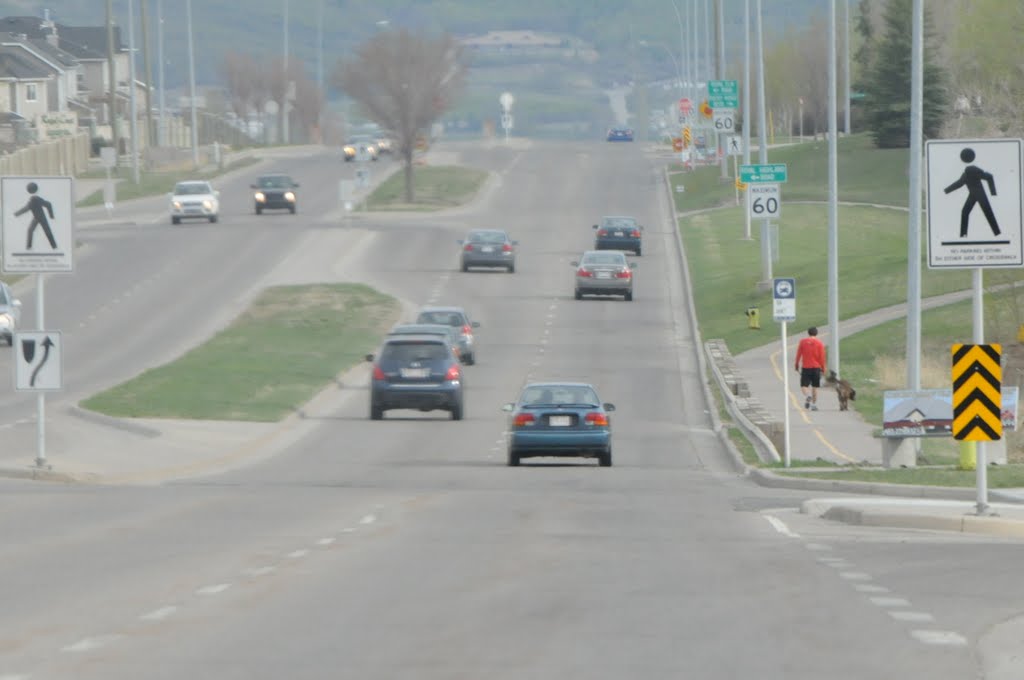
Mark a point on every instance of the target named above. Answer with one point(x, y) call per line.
point(238, 70)
point(309, 104)
point(403, 82)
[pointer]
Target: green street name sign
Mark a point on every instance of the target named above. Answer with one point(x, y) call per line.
point(772, 173)
point(723, 94)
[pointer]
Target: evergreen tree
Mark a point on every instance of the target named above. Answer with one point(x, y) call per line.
point(888, 88)
point(866, 50)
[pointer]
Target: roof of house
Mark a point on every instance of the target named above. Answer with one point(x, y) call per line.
point(87, 42)
point(39, 51)
point(63, 57)
point(15, 63)
point(33, 27)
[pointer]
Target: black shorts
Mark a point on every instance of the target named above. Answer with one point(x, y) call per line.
point(810, 377)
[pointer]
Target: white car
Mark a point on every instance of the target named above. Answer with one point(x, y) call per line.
point(194, 199)
point(10, 313)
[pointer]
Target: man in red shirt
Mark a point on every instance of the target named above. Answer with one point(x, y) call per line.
point(810, 364)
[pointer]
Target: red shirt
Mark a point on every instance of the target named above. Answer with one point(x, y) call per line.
point(812, 351)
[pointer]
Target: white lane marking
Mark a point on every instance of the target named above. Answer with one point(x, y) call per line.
point(369, 519)
point(818, 546)
point(4, 427)
point(841, 564)
point(90, 643)
point(870, 588)
point(855, 576)
point(917, 617)
point(14, 677)
point(213, 590)
point(296, 554)
point(831, 560)
point(780, 526)
point(889, 602)
point(158, 614)
point(326, 541)
point(939, 637)
point(348, 530)
point(259, 571)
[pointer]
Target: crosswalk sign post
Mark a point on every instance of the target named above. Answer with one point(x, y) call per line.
point(784, 311)
point(978, 404)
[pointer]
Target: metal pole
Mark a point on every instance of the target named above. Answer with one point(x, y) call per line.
point(719, 15)
point(915, 200)
point(696, 76)
point(147, 66)
point(709, 47)
point(833, 197)
point(161, 138)
point(41, 396)
point(133, 122)
point(747, 118)
point(785, 393)
point(846, 68)
point(112, 74)
point(766, 246)
point(284, 104)
point(981, 464)
point(192, 85)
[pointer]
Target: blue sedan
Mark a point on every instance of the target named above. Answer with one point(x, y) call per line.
point(562, 420)
point(620, 134)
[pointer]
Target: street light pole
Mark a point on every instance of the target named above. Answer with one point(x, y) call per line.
point(132, 122)
point(284, 105)
point(162, 124)
point(747, 117)
point(846, 68)
point(719, 15)
point(833, 196)
point(766, 246)
point(192, 85)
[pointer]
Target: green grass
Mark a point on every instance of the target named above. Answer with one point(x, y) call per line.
point(999, 477)
point(435, 187)
point(277, 355)
point(155, 183)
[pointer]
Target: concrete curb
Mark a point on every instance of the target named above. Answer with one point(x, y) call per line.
point(965, 524)
point(122, 424)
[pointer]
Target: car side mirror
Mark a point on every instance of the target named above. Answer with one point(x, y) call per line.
point(609, 407)
point(475, 324)
point(509, 407)
point(595, 226)
point(369, 357)
point(253, 186)
point(459, 241)
point(16, 303)
point(295, 185)
point(515, 243)
point(632, 265)
point(216, 193)
point(574, 263)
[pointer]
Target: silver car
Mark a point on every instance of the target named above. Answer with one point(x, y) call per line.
point(604, 272)
point(195, 199)
point(457, 318)
point(10, 313)
point(488, 248)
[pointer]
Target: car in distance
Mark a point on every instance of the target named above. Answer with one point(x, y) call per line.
point(10, 313)
point(275, 192)
point(415, 372)
point(449, 333)
point(620, 134)
point(488, 248)
point(194, 199)
point(457, 318)
point(604, 272)
point(361, 144)
point(559, 419)
point(619, 233)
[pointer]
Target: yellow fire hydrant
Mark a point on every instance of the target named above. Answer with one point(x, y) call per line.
point(753, 318)
point(968, 455)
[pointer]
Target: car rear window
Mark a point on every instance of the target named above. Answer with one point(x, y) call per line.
point(407, 352)
point(605, 258)
point(487, 237)
point(443, 318)
point(563, 395)
point(619, 223)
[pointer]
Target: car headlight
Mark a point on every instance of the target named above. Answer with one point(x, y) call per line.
point(176, 205)
point(208, 204)
point(260, 196)
point(289, 196)
point(6, 321)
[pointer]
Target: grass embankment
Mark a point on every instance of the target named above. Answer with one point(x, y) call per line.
point(290, 344)
point(155, 183)
point(726, 270)
point(436, 187)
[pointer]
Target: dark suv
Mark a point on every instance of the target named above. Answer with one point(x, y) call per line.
point(416, 372)
point(275, 192)
point(619, 233)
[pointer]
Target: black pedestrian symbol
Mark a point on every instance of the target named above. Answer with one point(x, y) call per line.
point(734, 144)
point(39, 206)
point(28, 350)
point(973, 179)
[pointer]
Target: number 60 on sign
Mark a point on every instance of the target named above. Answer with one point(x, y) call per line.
point(763, 201)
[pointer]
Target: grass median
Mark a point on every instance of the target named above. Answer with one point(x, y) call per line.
point(289, 344)
point(436, 187)
point(156, 183)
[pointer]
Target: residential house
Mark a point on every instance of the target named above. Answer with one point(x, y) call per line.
point(24, 94)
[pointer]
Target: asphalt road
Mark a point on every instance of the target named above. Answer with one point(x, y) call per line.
point(406, 548)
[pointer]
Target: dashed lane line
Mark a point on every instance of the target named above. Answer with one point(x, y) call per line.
point(939, 637)
point(913, 617)
point(889, 601)
point(781, 527)
point(90, 643)
point(213, 590)
point(159, 614)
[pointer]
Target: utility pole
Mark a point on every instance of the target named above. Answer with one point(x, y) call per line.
point(766, 246)
point(846, 68)
point(284, 104)
point(133, 120)
point(833, 196)
point(747, 117)
point(112, 74)
point(320, 69)
point(719, 15)
point(914, 203)
point(192, 85)
point(161, 136)
point(697, 96)
point(148, 67)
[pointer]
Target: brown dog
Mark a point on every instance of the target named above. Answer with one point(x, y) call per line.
point(844, 389)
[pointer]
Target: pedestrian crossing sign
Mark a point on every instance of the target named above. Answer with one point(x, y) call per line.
point(37, 224)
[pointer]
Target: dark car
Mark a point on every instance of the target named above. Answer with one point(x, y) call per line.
point(559, 419)
point(415, 372)
point(457, 318)
point(450, 333)
point(275, 192)
point(620, 134)
point(10, 313)
point(619, 233)
point(488, 248)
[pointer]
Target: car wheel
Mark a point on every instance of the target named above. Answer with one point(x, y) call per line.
point(511, 269)
point(213, 218)
point(294, 209)
point(629, 296)
point(259, 211)
point(457, 410)
point(604, 459)
point(470, 359)
point(465, 267)
point(513, 459)
point(638, 252)
point(579, 295)
point(175, 220)
point(376, 412)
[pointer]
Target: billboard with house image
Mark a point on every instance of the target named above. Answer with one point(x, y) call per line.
point(929, 413)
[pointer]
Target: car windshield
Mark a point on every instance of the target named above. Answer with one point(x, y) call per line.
point(604, 258)
point(424, 329)
point(278, 182)
point(3, 296)
point(443, 318)
point(406, 352)
point(191, 188)
point(487, 236)
point(619, 222)
point(558, 395)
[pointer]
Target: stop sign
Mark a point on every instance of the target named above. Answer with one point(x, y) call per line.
point(685, 106)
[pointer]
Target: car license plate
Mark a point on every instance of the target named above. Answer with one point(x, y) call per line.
point(488, 249)
point(559, 421)
point(618, 233)
point(415, 372)
point(604, 275)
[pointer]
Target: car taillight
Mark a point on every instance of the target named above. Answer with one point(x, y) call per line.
point(623, 274)
point(507, 248)
point(596, 419)
point(467, 330)
point(453, 373)
point(602, 232)
point(378, 374)
point(583, 272)
point(635, 233)
point(468, 247)
point(524, 420)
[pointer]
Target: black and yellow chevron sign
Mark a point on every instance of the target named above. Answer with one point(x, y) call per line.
point(977, 393)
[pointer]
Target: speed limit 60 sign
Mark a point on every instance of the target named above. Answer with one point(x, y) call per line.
point(763, 201)
point(724, 120)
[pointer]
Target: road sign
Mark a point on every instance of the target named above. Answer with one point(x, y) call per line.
point(977, 397)
point(38, 361)
point(772, 173)
point(37, 222)
point(724, 94)
point(677, 143)
point(725, 120)
point(506, 121)
point(734, 145)
point(765, 201)
point(706, 110)
point(975, 204)
point(685, 106)
point(362, 177)
point(784, 299)
point(687, 136)
point(506, 100)
point(108, 157)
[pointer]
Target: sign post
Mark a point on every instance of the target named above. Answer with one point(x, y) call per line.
point(784, 311)
point(506, 100)
point(37, 223)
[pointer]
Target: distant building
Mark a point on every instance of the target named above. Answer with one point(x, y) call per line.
point(512, 40)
